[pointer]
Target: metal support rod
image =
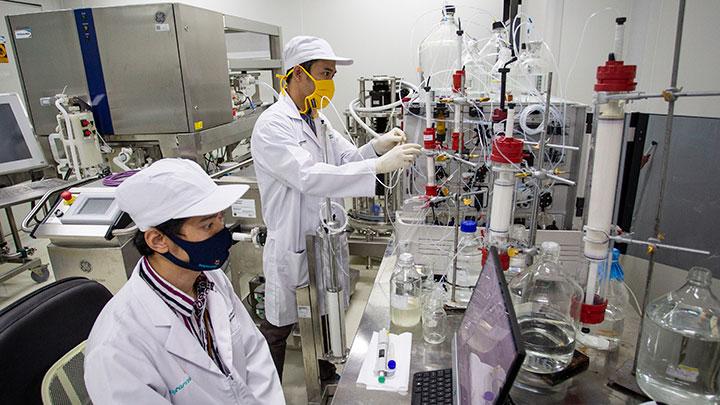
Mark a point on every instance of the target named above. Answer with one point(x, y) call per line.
point(241, 165)
point(538, 182)
point(621, 239)
point(552, 145)
point(456, 240)
point(664, 169)
point(643, 96)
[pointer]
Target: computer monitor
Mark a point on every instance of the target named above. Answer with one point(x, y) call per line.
point(488, 347)
point(19, 148)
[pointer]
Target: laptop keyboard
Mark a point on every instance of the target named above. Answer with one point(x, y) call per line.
point(433, 387)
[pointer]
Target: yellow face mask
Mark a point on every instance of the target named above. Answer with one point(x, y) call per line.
point(320, 98)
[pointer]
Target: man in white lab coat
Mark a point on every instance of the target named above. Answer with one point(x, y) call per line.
point(176, 332)
point(294, 180)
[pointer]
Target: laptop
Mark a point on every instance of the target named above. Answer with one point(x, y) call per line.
point(487, 349)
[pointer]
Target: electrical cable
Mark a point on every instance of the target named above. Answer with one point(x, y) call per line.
point(116, 179)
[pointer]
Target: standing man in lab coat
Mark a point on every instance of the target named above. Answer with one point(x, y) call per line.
point(294, 180)
point(176, 332)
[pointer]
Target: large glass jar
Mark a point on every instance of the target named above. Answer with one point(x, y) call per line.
point(405, 293)
point(548, 315)
point(679, 357)
point(438, 54)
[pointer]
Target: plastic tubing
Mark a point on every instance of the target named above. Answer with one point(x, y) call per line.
point(522, 119)
point(333, 231)
point(359, 120)
point(275, 93)
point(390, 106)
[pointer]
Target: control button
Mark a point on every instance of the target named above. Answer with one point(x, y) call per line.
point(87, 132)
point(84, 123)
point(59, 213)
point(66, 195)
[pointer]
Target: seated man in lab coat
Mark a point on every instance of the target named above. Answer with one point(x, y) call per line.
point(176, 332)
point(294, 177)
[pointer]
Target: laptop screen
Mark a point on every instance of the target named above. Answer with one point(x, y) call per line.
point(488, 349)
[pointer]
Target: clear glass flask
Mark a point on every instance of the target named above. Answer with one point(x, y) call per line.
point(607, 335)
point(548, 315)
point(679, 357)
point(405, 293)
point(469, 264)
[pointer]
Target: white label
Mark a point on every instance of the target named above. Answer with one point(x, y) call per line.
point(684, 373)
point(23, 33)
point(303, 312)
point(428, 137)
point(162, 27)
point(3, 39)
point(244, 208)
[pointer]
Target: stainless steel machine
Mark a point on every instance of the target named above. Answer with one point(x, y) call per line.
point(156, 77)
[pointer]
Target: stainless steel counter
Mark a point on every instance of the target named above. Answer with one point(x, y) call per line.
point(589, 387)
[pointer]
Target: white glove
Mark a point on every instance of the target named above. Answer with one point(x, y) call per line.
point(387, 141)
point(399, 157)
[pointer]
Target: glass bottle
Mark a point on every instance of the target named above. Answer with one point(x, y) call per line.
point(679, 360)
point(482, 61)
point(607, 335)
point(548, 316)
point(438, 53)
point(469, 264)
point(405, 293)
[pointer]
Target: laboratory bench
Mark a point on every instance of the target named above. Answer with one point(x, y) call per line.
point(588, 387)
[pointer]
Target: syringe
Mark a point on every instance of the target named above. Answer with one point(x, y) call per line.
point(383, 369)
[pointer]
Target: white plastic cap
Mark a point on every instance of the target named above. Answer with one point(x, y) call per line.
point(173, 189)
point(302, 49)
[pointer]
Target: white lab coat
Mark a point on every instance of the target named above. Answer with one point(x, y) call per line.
point(293, 182)
point(140, 352)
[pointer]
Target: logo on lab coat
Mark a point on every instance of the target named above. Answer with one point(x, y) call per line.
point(180, 387)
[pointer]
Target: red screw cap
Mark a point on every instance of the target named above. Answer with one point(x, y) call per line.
point(615, 76)
point(507, 150)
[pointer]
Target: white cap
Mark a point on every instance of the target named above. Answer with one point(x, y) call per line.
point(173, 189)
point(302, 49)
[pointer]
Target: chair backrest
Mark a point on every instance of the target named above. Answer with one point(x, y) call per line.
point(42, 327)
point(64, 383)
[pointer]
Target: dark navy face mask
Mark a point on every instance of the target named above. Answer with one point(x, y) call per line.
point(209, 254)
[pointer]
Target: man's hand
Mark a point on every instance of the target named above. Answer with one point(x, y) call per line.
point(399, 157)
point(388, 141)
